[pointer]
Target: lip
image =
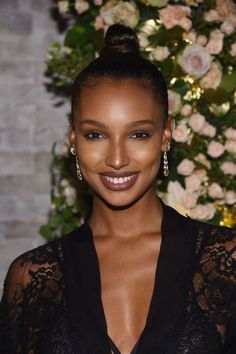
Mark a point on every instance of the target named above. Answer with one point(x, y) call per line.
point(119, 186)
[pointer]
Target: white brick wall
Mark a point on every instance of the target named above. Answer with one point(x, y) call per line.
point(29, 124)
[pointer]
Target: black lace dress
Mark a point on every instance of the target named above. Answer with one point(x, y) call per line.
point(52, 296)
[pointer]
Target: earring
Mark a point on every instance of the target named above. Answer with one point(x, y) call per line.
point(79, 174)
point(165, 161)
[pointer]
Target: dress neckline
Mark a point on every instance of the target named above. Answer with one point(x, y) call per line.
point(173, 277)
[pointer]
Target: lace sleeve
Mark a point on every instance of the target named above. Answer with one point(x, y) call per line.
point(32, 289)
point(215, 282)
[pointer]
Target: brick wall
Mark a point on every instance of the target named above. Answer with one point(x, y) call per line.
point(29, 124)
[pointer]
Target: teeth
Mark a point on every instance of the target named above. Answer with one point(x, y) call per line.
point(120, 180)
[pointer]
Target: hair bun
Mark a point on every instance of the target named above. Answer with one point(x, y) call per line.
point(120, 39)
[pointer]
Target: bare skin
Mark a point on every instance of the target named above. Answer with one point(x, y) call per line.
point(119, 129)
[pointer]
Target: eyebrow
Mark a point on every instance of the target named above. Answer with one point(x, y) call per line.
point(132, 124)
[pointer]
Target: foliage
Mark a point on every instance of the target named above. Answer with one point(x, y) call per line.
point(193, 42)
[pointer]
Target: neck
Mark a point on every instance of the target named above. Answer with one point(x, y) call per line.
point(144, 216)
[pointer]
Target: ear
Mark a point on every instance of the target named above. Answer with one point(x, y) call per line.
point(167, 133)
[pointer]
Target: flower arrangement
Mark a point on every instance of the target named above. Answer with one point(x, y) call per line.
point(193, 42)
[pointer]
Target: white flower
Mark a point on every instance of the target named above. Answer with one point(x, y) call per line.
point(230, 197)
point(213, 77)
point(215, 191)
point(120, 12)
point(228, 26)
point(215, 149)
point(201, 158)
point(70, 195)
point(81, 6)
point(174, 101)
point(160, 53)
point(174, 197)
point(143, 40)
point(211, 16)
point(97, 2)
point(233, 49)
point(186, 110)
point(230, 133)
point(230, 146)
point(174, 15)
point(63, 6)
point(215, 43)
point(195, 60)
point(186, 167)
point(180, 134)
point(201, 39)
point(203, 212)
point(190, 199)
point(228, 168)
point(208, 130)
point(196, 122)
point(193, 183)
point(191, 36)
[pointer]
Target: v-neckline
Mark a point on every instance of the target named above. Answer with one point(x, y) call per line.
point(153, 293)
point(173, 277)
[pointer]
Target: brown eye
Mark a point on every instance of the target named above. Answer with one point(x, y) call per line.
point(93, 135)
point(141, 135)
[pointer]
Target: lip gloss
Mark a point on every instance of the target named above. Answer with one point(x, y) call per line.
point(119, 183)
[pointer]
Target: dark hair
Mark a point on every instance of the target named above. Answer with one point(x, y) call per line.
point(120, 59)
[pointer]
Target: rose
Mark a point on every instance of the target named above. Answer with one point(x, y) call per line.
point(196, 122)
point(230, 146)
point(228, 25)
point(99, 23)
point(215, 43)
point(185, 23)
point(119, 11)
point(160, 53)
point(63, 6)
point(143, 40)
point(180, 134)
point(172, 15)
point(201, 39)
point(186, 110)
point(81, 6)
point(191, 36)
point(195, 60)
point(185, 167)
point(208, 130)
point(230, 197)
point(213, 77)
point(211, 16)
point(215, 149)
point(215, 191)
point(175, 197)
point(201, 158)
point(225, 8)
point(203, 212)
point(174, 101)
point(193, 183)
point(228, 168)
point(230, 133)
point(190, 200)
point(233, 49)
point(97, 2)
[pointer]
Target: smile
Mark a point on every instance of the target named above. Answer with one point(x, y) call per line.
point(118, 182)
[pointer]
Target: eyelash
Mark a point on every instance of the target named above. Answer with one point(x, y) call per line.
point(140, 135)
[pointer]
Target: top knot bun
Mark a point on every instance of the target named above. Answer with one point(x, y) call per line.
point(120, 39)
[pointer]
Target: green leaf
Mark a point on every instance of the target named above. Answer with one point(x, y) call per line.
point(55, 220)
point(79, 35)
point(228, 82)
point(46, 232)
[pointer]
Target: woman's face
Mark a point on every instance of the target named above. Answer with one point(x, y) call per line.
point(118, 136)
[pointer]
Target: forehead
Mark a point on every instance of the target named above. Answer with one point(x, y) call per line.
point(109, 98)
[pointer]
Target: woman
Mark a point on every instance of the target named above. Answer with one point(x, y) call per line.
point(136, 277)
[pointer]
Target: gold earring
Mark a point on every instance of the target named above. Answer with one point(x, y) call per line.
point(78, 171)
point(165, 161)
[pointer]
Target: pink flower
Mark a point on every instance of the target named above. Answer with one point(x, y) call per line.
point(81, 6)
point(230, 197)
point(215, 43)
point(97, 2)
point(201, 39)
point(215, 149)
point(180, 134)
point(196, 122)
point(186, 110)
point(186, 167)
point(233, 49)
point(190, 200)
point(193, 183)
point(195, 60)
point(185, 23)
point(230, 146)
point(211, 16)
point(99, 23)
point(172, 15)
point(203, 212)
point(160, 53)
point(213, 78)
point(215, 191)
point(228, 26)
point(143, 39)
point(225, 8)
point(201, 158)
point(174, 101)
point(230, 133)
point(228, 168)
point(191, 36)
point(208, 130)
point(119, 11)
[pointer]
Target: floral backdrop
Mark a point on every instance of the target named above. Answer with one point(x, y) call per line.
point(193, 42)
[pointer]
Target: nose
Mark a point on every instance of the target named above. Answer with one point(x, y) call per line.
point(117, 156)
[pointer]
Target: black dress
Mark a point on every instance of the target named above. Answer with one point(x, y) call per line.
point(52, 296)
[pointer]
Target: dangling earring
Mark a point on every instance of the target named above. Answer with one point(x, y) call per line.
point(79, 175)
point(165, 161)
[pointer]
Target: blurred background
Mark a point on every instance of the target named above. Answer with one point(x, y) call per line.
point(29, 125)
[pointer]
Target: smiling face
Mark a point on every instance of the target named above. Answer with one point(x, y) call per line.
point(118, 135)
